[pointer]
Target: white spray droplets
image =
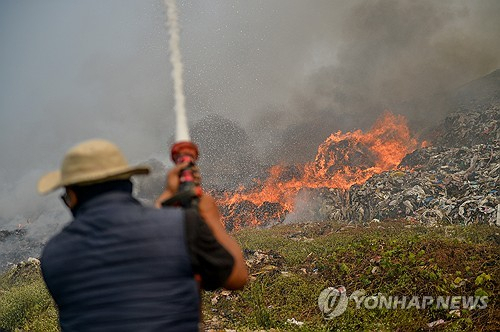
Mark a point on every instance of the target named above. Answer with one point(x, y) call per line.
point(182, 131)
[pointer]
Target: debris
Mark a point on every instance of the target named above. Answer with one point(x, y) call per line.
point(260, 262)
point(468, 128)
point(376, 259)
point(433, 184)
point(294, 321)
point(34, 261)
point(498, 215)
point(436, 323)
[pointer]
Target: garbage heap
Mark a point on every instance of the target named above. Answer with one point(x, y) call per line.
point(437, 183)
point(468, 129)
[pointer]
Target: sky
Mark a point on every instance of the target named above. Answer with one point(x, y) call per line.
point(285, 71)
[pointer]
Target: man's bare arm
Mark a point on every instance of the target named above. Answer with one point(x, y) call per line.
point(210, 214)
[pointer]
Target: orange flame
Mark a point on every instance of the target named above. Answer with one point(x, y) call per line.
point(342, 160)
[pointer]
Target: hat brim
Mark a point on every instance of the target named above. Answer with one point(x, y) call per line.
point(53, 180)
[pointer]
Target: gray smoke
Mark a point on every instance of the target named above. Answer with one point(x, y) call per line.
point(289, 72)
point(405, 56)
point(227, 156)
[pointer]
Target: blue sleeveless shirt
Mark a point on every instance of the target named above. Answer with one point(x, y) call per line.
point(119, 266)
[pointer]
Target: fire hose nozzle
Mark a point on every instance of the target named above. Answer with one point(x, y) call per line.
point(189, 193)
point(183, 149)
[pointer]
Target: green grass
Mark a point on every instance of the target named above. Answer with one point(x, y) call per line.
point(25, 303)
point(413, 260)
point(291, 264)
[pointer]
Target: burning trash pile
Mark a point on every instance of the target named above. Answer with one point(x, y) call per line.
point(457, 185)
point(342, 160)
point(383, 175)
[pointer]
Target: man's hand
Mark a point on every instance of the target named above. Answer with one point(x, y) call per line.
point(173, 182)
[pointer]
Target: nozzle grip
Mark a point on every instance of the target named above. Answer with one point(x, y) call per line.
point(189, 193)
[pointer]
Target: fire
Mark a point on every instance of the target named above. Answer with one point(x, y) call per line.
point(342, 160)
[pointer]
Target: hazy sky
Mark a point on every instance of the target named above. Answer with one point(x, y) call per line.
point(72, 70)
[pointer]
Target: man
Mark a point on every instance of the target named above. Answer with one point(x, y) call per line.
point(120, 266)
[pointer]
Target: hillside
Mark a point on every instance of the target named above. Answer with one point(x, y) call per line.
point(479, 94)
point(291, 264)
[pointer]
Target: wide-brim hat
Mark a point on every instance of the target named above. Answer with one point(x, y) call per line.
point(90, 162)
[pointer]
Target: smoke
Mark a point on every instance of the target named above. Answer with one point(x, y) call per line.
point(70, 72)
point(287, 72)
point(405, 56)
point(227, 159)
point(307, 208)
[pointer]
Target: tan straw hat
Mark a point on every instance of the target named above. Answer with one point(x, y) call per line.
point(87, 163)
